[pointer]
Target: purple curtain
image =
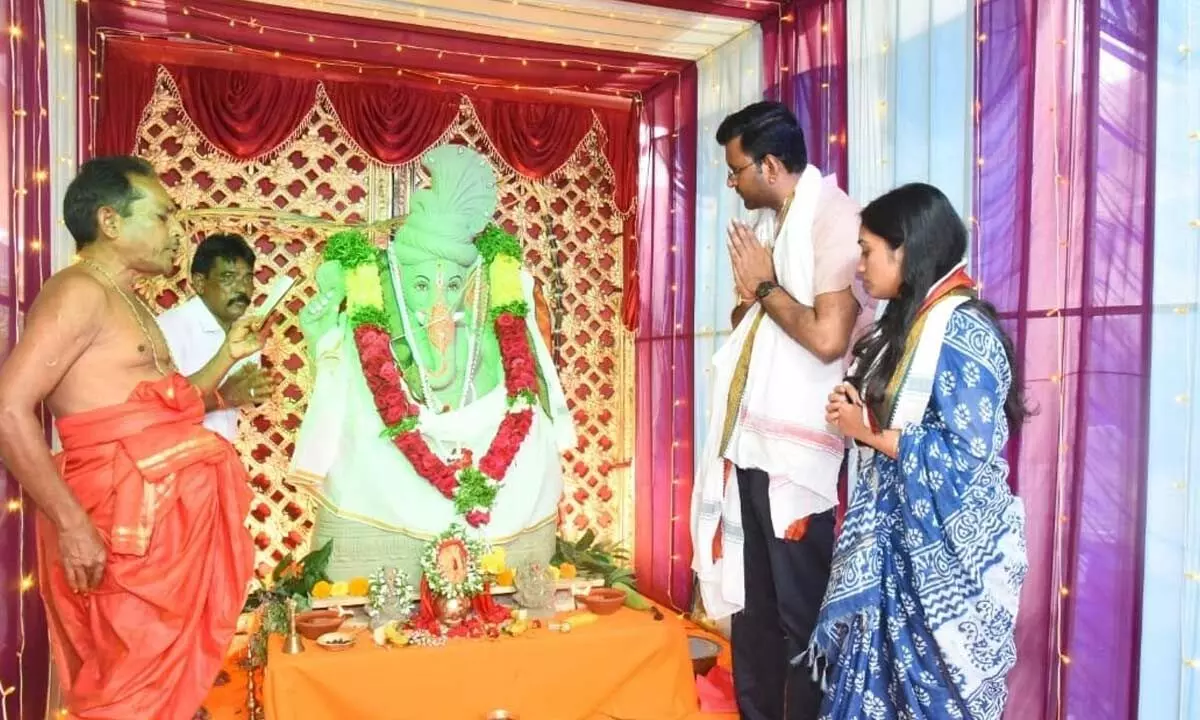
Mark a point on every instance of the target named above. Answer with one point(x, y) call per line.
point(665, 363)
point(24, 264)
point(1061, 245)
point(804, 67)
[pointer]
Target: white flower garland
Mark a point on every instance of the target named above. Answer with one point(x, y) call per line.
point(472, 584)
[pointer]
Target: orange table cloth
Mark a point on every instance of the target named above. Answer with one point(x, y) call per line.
point(625, 665)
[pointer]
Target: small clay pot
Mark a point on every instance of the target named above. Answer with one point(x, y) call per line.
point(604, 601)
point(315, 623)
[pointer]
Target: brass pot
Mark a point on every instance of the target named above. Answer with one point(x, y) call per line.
point(451, 611)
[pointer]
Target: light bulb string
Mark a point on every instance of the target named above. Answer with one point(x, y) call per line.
point(439, 78)
point(524, 59)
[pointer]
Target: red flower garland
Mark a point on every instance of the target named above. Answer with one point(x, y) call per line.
point(400, 414)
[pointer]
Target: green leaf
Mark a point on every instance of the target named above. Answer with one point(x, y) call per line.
point(473, 491)
point(495, 241)
point(320, 558)
point(284, 563)
point(406, 425)
point(368, 316)
point(516, 308)
point(350, 248)
point(586, 540)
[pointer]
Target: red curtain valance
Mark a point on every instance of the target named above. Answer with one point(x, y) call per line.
point(228, 105)
point(392, 122)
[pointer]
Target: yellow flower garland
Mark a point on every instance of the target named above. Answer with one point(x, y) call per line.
point(365, 290)
point(504, 276)
point(363, 287)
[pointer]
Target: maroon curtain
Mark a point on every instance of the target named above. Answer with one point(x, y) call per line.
point(1063, 248)
point(535, 138)
point(621, 132)
point(804, 67)
point(24, 264)
point(227, 106)
point(118, 112)
point(665, 355)
point(392, 121)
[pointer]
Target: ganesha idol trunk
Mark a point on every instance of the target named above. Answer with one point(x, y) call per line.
point(360, 549)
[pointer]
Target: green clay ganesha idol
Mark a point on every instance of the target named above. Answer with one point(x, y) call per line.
point(435, 399)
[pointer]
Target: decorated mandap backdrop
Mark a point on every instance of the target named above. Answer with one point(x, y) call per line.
point(1065, 131)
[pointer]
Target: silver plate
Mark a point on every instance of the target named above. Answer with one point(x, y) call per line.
point(699, 647)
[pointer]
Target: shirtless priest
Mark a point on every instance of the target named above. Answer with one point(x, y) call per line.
point(143, 559)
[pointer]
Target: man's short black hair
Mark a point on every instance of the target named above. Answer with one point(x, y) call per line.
point(227, 246)
point(767, 128)
point(101, 182)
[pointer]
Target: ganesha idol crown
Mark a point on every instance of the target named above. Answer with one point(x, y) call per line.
point(435, 399)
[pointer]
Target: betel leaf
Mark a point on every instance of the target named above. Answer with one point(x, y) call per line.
point(318, 561)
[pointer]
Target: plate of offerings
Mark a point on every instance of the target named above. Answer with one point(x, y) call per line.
point(336, 641)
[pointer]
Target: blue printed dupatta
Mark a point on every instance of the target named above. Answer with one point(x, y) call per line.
point(919, 617)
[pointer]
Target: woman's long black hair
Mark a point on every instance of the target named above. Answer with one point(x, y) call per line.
point(922, 220)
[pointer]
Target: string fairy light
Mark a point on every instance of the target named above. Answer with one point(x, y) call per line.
point(354, 42)
point(26, 172)
point(1187, 597)
point(1060, 571)
point(360, 67)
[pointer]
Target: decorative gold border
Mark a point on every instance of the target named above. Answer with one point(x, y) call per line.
point(329, 505)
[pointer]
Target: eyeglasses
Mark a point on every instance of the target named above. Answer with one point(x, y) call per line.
point(231, 280)
point(738, 171)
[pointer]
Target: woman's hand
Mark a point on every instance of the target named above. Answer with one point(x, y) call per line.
point(845, 412)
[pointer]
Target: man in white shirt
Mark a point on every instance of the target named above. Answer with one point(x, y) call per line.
point(223, 279)
point(766, 489)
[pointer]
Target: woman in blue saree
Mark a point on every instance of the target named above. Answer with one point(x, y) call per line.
point(919, 616)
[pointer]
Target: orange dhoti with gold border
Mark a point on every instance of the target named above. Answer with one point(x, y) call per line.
point(169, 498)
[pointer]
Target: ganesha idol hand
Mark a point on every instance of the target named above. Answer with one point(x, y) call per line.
point(320, 314)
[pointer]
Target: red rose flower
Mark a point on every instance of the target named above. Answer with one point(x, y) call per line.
point(505, 321)
point(478, 518)
point(374, 348)
point(517, 366)
point(392, 396)
point(393, 414)
point(375, 384)
point(389, 373)
point(490, 467)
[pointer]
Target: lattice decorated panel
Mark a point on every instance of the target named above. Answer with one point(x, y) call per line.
point(572, 233)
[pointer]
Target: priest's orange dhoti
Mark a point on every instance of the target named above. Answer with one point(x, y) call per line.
point(169, 499)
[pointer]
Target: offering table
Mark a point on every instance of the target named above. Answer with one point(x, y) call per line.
point(626, 665)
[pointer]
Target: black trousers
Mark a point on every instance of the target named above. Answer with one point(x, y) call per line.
point(785, 584)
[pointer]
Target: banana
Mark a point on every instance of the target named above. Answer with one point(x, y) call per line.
point(581, 619)
point(633, 599)
point(394, 636)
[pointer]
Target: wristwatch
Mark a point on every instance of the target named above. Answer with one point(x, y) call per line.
point(764, 288)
